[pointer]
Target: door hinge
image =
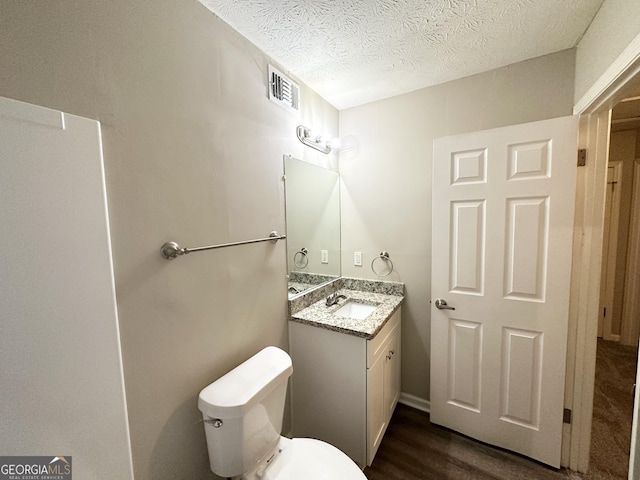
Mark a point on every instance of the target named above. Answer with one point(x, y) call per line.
point(566, 416)
point(582, 157)
point(604, 312)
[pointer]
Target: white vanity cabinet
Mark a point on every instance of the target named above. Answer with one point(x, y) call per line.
point(383, 382)
point(345, 387)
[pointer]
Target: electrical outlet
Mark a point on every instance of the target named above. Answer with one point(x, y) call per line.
point(357, 259)
point(324, 256)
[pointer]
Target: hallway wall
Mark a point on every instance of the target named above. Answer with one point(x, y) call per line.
point(622, 148)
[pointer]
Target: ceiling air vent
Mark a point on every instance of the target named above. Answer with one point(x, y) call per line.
point(283, 91)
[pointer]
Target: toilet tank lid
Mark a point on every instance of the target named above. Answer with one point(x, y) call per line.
point(233, 394)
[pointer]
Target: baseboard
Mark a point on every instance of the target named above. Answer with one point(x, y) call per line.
point(611, 337)
point(415, 402)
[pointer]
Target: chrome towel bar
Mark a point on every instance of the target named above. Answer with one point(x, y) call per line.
point(171, 249)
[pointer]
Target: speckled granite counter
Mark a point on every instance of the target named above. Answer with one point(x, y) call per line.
point(319, 315)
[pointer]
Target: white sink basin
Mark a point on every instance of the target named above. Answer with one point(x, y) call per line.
point(355, 310)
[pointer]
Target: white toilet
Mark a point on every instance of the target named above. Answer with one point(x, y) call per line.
point(243, 413)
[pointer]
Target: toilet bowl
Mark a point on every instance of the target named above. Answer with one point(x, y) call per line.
point(309, 459)
point(243, 412)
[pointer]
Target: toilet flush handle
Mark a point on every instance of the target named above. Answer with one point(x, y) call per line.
point(214, 422)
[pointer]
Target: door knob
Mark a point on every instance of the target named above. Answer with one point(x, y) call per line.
point(442, 305)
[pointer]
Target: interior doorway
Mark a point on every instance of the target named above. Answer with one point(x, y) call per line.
point(616, 83)
point(618, 322)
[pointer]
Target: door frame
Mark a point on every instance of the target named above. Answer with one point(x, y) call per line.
point(631, 307)
point(610, 246)
point(594, 109)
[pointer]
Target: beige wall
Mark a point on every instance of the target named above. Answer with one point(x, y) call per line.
point(386, 173)
point(193, 153)
point(616, 24)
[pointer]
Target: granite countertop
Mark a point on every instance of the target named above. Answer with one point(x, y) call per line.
point(319, 315)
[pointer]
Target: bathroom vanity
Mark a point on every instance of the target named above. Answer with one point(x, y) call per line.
point(346, 371)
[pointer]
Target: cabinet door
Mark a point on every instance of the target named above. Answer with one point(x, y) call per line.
point(376, 409)
point(392, 373)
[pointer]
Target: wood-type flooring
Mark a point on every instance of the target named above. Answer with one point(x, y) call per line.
point(415, 449)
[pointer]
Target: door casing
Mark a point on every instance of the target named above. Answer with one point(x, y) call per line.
point(594, 109)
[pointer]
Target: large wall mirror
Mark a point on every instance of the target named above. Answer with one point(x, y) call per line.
point(312, 196)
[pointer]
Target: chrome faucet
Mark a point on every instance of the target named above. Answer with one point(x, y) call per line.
point(334, 298)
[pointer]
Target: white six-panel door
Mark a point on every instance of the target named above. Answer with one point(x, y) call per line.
point(503, 203)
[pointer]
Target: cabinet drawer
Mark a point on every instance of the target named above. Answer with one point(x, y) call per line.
point(375, 346)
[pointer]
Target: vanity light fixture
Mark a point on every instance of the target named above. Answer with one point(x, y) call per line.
point(306, 136)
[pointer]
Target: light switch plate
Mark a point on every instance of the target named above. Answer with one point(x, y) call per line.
point(357, 259)
point(324, 256)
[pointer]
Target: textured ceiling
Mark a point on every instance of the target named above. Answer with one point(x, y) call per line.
point(357, 51)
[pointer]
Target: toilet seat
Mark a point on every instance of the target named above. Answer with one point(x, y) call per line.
point(310, 459)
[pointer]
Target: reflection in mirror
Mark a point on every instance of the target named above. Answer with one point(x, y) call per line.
point(313, 224)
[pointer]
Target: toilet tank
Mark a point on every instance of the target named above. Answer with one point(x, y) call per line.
point(249, 401)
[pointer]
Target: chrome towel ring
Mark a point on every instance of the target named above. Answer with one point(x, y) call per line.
point(300, 259)
point(384, 256)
